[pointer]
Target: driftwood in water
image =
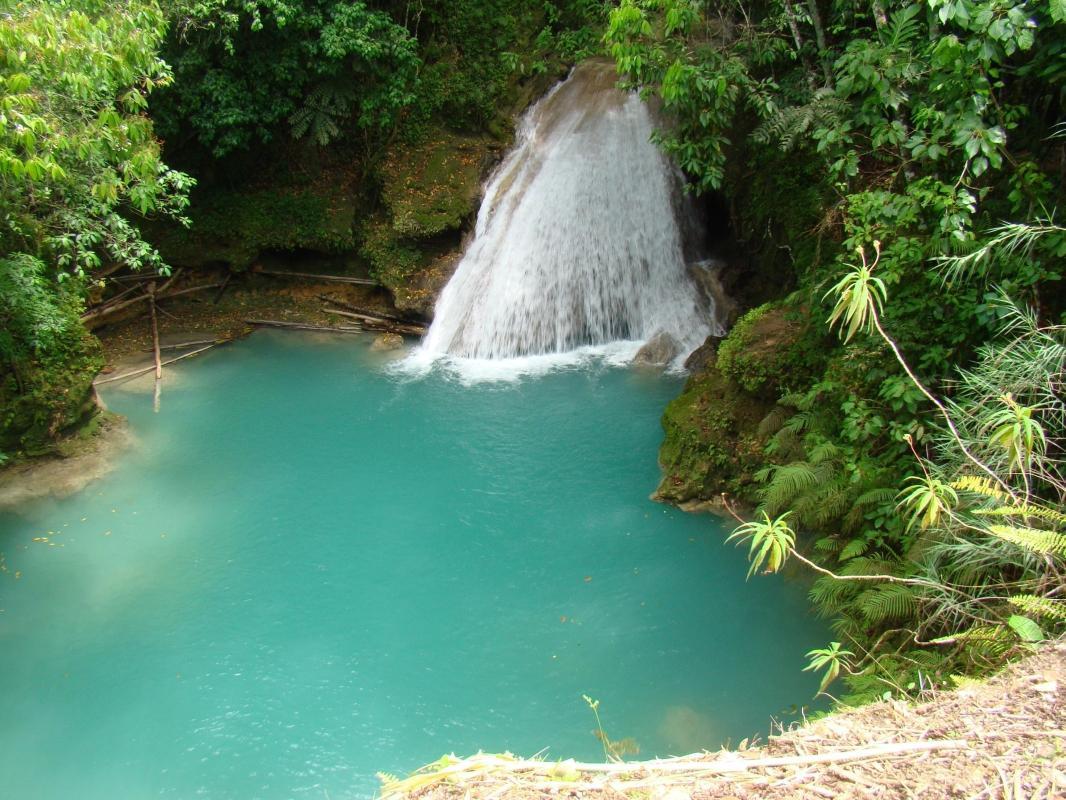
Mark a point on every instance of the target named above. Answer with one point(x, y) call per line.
point(368, 313)
point(155, 332)
point(309, 276)
point(146, 370)
point(300, 326)
point(183, 345)
point(96, 316)
point(373, 323)
point(155, 349)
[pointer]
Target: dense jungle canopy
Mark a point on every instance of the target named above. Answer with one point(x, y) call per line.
point(891, 172)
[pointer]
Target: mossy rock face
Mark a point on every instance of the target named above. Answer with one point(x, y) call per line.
point(50, 397)
point(434, 186)
point(765, 350)
point(713, 444)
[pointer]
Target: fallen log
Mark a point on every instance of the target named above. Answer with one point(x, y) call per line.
point(314, 277)
point(368, 313)
point(137, 372)
point(155, 332)
point(93, 317)
point(300, 326)
point(155, 349)
point(380, 323)
point(183, 345)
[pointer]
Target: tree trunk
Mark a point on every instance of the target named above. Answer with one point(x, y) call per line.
point(819, 38)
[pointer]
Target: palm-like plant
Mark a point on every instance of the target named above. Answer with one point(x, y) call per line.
point(832, 659)
point(772, 540)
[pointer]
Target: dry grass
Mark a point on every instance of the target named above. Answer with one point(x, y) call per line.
point(1004, 739)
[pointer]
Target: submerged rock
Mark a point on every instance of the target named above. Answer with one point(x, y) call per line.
point(658, 351)
point(387, 342)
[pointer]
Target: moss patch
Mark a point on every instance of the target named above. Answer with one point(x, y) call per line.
point(712, 442)
point(434, 186)
point(49, 397)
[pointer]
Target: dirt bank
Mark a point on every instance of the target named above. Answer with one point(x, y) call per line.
point(1001, 739)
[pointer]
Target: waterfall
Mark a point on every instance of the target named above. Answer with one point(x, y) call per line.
point(579, 245)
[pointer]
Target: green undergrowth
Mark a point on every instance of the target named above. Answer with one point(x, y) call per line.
point(714, 440)
point(234, 226)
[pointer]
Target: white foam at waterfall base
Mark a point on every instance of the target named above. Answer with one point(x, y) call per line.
point(577, 254)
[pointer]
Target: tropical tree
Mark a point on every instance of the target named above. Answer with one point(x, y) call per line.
point(78, 163)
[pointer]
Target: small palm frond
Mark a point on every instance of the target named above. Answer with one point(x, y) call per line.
point(832, 659)
point(1034, 540)
point(927, 500)
point(1040, 606)
point(860, 297)
point(771, 542)
point(889, 602)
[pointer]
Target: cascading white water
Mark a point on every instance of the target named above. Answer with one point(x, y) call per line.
point(577, 240)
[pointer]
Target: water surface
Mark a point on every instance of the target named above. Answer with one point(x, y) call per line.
point(308, 570)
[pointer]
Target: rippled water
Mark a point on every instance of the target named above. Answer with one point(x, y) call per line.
point(308, 570)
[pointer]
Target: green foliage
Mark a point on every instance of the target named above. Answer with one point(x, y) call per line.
point(923, 137)
point(79, 162)
point(860, 296)
point(771, 542)
point(244, 67)
point(77, 153)
point(832, 659)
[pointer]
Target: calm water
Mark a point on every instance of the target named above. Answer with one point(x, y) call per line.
point(307, 571)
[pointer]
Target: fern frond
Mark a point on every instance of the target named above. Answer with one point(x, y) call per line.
point(787, 482)
point(856, 547)
point(1032, 539)
point(982, 486)
point(926, 659)
point(826, 451)
point(829, 544)
point(830, 592)
point(875, 497)
point(1025, 510)
point(1040, 606)
point(966, 682)
point(772, 422)
point(847, 627)
point(903, 28)
point(888, 602)
point(870, 565)
point(790, 125)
